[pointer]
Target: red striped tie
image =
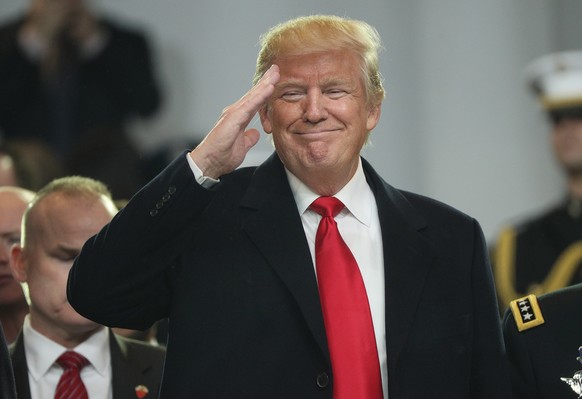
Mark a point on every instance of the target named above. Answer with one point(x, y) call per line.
point(70, 385)
point(346, 311)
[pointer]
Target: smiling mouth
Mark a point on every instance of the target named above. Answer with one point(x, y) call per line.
point(317, 132)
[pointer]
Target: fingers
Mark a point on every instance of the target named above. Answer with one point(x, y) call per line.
point(226, 146)
point(255, 98)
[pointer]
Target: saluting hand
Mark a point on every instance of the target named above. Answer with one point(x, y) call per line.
point(226, 146)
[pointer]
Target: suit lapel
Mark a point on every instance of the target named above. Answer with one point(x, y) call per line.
point(271, 220)
point(20, 368)
point(126, 375)
point(407, 259)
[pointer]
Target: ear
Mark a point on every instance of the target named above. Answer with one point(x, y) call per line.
point(373, 116)
point(265, 119)
point(17, 263)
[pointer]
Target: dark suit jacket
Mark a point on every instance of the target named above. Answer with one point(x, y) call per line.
point(232, 269)
point(7, 390)
point(133, 363)
point(541, 355)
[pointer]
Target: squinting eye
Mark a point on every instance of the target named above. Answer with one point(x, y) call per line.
point(292, 95)
point(335, 93)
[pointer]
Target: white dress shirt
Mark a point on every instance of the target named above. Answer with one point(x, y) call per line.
point(44, 374)
point(359, 226)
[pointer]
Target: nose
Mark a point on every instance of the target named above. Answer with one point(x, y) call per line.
point(315, 110)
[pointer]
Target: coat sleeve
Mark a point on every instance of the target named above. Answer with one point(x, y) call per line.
point(520, 366)
point(122, 277)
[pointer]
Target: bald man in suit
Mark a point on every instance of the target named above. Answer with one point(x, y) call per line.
point(61, 217)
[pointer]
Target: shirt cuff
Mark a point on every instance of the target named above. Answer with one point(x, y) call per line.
point(204, 181)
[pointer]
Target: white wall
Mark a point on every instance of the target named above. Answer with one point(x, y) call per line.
point(457, 124)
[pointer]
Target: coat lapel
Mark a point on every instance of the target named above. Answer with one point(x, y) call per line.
point(20, 368)
point(126, 374)
point(272, 222)
point(407, 259)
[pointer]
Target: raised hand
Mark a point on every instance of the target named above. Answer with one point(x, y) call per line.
point(227, 144)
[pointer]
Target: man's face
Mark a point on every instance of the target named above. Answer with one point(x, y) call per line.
point(62, 225)
point(567, 144)
point(12, 207)
point(318, 114)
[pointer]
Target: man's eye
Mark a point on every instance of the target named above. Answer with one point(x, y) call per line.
point(335, 93)
point(292, 95)
point(10, 240)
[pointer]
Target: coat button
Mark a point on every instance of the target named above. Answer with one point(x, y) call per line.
point(153, 212)
point(323, 380)
point(159, 205)
point(166, 197)
point(172, 189)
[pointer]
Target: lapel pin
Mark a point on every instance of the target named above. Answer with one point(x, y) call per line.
point(576, 381)
point(141, 391)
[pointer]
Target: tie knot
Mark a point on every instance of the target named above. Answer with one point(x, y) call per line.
point(327, 206)
point(72, 360)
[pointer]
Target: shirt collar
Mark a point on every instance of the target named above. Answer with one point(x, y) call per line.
point(355, 195)
point(42, 352)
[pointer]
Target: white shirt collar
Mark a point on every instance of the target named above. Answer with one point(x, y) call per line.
point(41, 352)
point(355, 195)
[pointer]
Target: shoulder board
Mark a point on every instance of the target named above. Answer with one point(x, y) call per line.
point(526, 312)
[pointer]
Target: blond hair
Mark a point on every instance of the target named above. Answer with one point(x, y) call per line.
point(319, 33)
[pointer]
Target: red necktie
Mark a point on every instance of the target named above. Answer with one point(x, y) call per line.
point(70, 385)
point(346, 311)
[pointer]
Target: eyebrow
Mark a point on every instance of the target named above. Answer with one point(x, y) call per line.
point(332, 81)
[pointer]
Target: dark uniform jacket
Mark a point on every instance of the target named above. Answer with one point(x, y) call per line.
point(133, 363)
point(545, 351)
point(232, 270)
point(540, 255)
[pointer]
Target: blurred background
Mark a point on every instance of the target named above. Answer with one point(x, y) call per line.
point(458, 123)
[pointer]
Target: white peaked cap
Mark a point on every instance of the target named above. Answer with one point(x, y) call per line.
point(557, 79)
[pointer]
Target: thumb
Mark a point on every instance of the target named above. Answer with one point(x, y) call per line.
point(251, 138)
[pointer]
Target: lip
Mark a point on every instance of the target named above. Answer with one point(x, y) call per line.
point(320, 132)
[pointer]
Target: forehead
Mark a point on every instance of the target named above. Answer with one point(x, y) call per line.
point(329, 64)
point(76, 218)
point(12, 207)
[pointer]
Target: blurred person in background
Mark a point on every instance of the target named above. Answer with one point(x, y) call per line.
point(29, 164)
point(75, 79)
point(544, 252)
point(13, 305)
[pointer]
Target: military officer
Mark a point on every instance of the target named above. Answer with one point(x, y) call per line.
point(543, 343)
point(544, 253)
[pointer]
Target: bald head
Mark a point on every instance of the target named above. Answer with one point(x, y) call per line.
point(61, 195)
